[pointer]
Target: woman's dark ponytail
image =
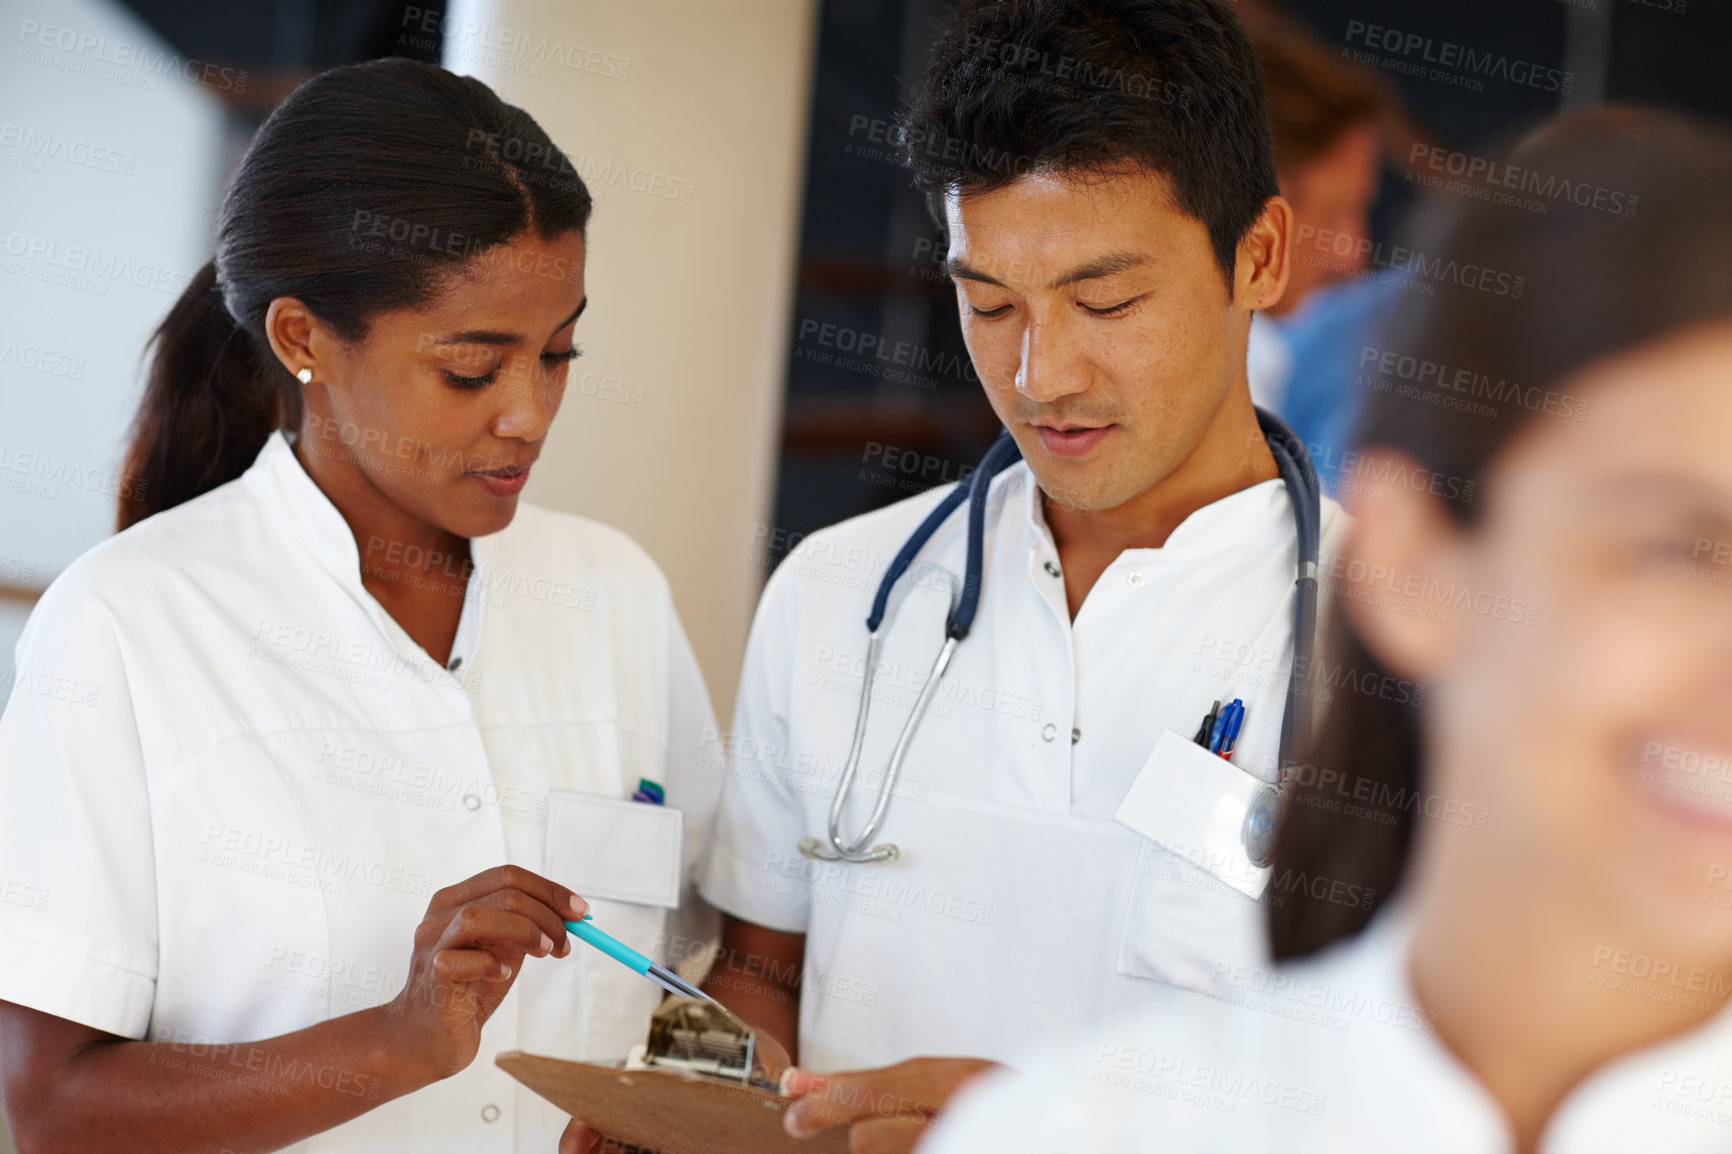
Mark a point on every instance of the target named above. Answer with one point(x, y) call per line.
point(356, 196)
point(1366, 751)
point(1645, 256)
point(209, 404)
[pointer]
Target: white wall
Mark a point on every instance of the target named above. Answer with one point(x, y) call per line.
point(689, 292)
point(110, 162)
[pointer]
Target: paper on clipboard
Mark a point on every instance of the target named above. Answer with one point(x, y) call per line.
point(668, 1112)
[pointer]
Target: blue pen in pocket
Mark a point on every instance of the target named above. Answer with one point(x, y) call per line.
point(1218, 731)
point(1230, 735)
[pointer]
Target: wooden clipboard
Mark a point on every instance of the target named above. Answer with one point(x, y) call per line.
point(666, 1111)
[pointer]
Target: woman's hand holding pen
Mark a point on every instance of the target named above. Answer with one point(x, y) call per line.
point(468, 950)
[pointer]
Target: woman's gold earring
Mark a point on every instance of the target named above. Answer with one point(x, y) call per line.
point(305, 376)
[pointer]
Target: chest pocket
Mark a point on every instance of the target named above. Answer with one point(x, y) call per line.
point(1186, 927)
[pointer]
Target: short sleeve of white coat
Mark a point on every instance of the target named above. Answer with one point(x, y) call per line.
point(78, 927)
point(693, 782)
point(1043, 1108)
point(1009, 1110)
point(762, 818)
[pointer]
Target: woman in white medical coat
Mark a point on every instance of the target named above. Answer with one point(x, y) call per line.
point(1553, 973)
point(304, 769)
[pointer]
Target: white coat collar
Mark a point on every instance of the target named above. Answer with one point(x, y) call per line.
point(304, 513)
point(1248, 514)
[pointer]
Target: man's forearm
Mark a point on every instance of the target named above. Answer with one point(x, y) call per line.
point(771, 1006)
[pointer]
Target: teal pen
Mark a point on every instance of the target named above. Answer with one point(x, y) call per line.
point(626, 956)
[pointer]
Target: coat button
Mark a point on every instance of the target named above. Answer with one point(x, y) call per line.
point(1050, 732)
point(1135, 580)
point(490, 1113)
point(1051, 569)
point(1075, 736)
point(470, 801)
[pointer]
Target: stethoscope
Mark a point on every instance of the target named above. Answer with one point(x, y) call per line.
point(1262, 817)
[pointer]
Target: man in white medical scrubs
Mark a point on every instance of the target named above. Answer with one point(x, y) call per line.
point(1106, 186)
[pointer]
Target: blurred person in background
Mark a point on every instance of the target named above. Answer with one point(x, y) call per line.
point(291, 758)
point(1329, 117)
point(1553, 971)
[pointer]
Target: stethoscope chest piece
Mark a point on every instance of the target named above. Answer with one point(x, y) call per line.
point(1262, 818)
point(818, 850)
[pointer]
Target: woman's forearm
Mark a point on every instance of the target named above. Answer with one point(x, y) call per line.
point(241, 1097)
point(70, 1087)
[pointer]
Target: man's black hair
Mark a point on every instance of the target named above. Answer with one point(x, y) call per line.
point(1079, 86)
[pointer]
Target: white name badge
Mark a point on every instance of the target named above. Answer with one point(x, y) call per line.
point(1193, 803)
point(624, 851)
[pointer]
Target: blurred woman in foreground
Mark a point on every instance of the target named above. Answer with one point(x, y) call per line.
point(1543, 542)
